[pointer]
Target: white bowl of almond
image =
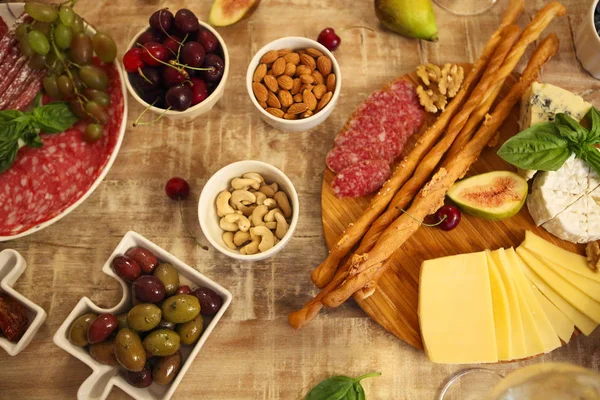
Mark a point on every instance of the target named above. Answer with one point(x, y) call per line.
point(294, 83)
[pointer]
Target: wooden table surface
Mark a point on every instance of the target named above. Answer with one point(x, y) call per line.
point(253, 353)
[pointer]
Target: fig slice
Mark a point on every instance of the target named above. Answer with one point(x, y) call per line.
point(494, 195)
point(229, 12)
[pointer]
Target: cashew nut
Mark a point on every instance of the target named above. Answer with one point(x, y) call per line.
point(228, 239)
point(234, 222)
point(242, 197)
point(253, 175)
point(247, 210)
point(253, 246)
point(257, 216)
point(244, 184)
point(260, 198)
point(271, 225)
point(284, 203)
point(267, 238)
point(270, 217)
point(223, 207)
point(271, 203)
point(269, 190)
point(241, 238)
point(282, 226)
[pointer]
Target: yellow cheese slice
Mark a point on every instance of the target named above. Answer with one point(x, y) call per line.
point(501, 311)
point(587, 286)
point(519, 349)
point(455, 310)
point(578, 299)
point(562, 325)
point(564, 258)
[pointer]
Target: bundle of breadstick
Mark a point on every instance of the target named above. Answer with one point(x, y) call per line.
point(460, 144)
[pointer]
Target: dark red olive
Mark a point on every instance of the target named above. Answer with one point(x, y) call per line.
point(101, 328)
point(140, 379)
point(144, 257)
point(210, 301)
point(448, 217)
point(148, 289)
point(126, 268)
point(183, 289)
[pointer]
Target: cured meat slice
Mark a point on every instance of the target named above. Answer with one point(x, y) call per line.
point(3, 28)
point(10, 39)
point(33, 87)
point(15, 77)
point(361, 178)
point(341, 157)
point(9, 62)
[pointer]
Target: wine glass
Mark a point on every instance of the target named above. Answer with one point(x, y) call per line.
point(465, 7)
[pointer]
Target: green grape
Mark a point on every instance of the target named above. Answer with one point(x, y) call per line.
point(63, 35)
point(65, 85)
point(94, 77)
point(41, 12)
point(105, 47)
point(98, 96)
point(81, 49)
point(43, 27)
point(38, 42)
point(51, 87)
point(37, 61)
point(93, 133)
point(54, 63)
point(98, 112)
point(66, 15)
point(25, 48)
point(78, 109)
point(77, 24)
point(22, 30)
point(75, 76)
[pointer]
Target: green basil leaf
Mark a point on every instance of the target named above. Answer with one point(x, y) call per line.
point(540, 147)
point(591, 155)
point(360, 392)
point(570, 129)
point(335, 388)
point(32, 139)
point(8, 154)
point(594, 116)
point(54, 117)
point(9, 115)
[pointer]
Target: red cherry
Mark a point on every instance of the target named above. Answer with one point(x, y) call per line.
point(172, 44)
point(199, 90)
point(152, 52)
point(329, 39)
point(132, 60)
point(449, 217)
point(173, 76)
point(177, 189)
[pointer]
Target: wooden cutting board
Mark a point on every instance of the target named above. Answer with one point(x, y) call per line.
point(394, 304)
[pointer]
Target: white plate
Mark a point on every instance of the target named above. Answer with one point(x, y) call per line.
point(99, 384)
point(17, 9)
point(12, 266)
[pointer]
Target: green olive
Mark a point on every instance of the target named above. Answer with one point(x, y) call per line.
point(190, 331)
point(166, 368)
point(180, 308)
point(104, 353)
point(129, 350)
point(79, 328)
point(144, 317)
point(122, 318)
point(169, 276)
point(162, 342)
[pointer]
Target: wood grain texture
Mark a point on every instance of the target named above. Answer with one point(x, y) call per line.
point(253, 354)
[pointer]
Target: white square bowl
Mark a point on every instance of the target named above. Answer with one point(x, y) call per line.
point(12, 266)
point(99, 384)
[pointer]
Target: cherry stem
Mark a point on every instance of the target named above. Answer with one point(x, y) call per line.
point(137, 121)
point(144, 76)
point(187, 228)
point(445, 217)
point(357, 27)
point(173, 63)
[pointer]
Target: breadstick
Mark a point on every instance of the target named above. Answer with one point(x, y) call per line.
point(431, 197)
point(323, 274)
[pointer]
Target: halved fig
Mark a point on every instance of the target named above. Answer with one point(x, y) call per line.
point(494, 195)
point(228, 12)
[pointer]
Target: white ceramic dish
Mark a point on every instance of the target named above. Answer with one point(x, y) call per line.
point(207, 212)
point(99, 384)
point(298, 125)
point(199, 109)
point(17, 9)
point(587, 43)
point(12, 266)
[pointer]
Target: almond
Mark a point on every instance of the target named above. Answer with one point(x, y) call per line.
point(290, 69)
point(318, 77)
point(269, 57)
point(314, 53)
point(260, 73)
point(273, 101)
point(292, 58)
point(296, 86)
point(304, 87)
point(298, 98)
point(309, 99)
point(297, 108)
point(260, 91)
point(263, 104)
point(303, 70)
point(325, 100)
point(283, 52)
point(330, 82)
point(319, 90)
point(324, 65)
point(285, 98)
point(307, 79)
point(285, 82)
point(306, 114)
point(300, 52)
point(276, 112)
point(290, 116)
point(278, 66)
point(271, 83)
point(307, 60)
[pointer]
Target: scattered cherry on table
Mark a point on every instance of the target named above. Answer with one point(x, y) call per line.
point(448, 217)
point(329, 39)
point(177, 188)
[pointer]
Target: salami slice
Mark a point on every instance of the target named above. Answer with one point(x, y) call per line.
point(32, 88)
point(341, 157)
point(361, 178)
point(8, 62)
point(15, 86)
point(10, 39)
point(3, 28)
point(16, 76)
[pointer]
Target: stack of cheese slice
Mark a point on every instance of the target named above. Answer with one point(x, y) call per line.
point(505, 305)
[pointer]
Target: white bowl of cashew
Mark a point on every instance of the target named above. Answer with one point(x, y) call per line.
point(210, 215)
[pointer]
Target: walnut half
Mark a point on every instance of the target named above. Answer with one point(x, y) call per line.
point(592, 250)
point(431, 100)
point(440, 84)
point(451, 80)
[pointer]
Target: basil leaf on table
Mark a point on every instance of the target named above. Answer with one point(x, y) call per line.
point(540, 147)
point(570, 129)
point(340, 388)
point(54, 117)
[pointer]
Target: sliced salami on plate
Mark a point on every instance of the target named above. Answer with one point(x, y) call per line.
point(361, 178)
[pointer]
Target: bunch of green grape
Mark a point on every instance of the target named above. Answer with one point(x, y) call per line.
point(56, 40)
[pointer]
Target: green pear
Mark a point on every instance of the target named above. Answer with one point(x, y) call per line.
point(411, 18)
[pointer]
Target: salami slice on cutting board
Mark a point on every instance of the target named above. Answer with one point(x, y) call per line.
point(341, 157)
point(361, 178)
